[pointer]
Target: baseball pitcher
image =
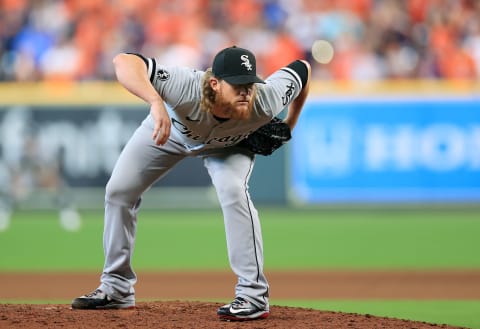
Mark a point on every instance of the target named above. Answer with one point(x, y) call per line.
point(224, 115)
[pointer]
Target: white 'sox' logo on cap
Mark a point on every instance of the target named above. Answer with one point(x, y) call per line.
point(246, 62)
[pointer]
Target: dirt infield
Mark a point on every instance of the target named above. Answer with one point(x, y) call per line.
point(177, 300)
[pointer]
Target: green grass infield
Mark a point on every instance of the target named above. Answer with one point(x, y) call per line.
point(293, 239)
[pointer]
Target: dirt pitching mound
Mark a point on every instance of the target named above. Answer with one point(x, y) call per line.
point(181, 294)
point(182, 314)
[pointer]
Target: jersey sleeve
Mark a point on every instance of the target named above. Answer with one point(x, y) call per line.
point(284, 85)
point(174, 84)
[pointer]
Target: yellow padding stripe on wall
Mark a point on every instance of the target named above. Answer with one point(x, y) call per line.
point(99, 93)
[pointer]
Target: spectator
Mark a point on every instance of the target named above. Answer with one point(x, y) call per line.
point(386, 39)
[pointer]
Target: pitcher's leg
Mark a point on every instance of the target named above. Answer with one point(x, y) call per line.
point(230, 174)
point(138, 167)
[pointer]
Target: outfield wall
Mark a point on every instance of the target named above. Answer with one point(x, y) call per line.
point(392, 142)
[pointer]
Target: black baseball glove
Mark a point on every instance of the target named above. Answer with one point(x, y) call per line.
point(268, 138)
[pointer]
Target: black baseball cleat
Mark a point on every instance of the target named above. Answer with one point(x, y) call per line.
point(98, 300)
point(241, 310)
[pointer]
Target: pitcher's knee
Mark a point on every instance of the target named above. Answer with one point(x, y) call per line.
point(117, 191)
point(232, 190)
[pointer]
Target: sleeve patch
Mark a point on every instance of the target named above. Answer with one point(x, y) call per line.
point(163, 75)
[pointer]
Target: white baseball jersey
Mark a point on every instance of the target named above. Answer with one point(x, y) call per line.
point(180, 88)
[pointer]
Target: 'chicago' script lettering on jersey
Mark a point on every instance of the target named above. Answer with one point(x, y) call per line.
point(226, 140)
point(288, 94)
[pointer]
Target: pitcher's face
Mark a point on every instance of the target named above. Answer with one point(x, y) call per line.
point(233, 101)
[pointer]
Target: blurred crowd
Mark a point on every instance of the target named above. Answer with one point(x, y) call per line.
point(373, 39)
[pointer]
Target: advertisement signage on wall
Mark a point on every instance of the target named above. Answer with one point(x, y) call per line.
point(78, 144)
point(386, 150)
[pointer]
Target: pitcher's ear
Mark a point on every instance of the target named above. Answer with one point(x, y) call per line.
point(214, 83)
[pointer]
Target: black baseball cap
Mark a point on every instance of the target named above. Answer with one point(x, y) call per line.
point(236, 65)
